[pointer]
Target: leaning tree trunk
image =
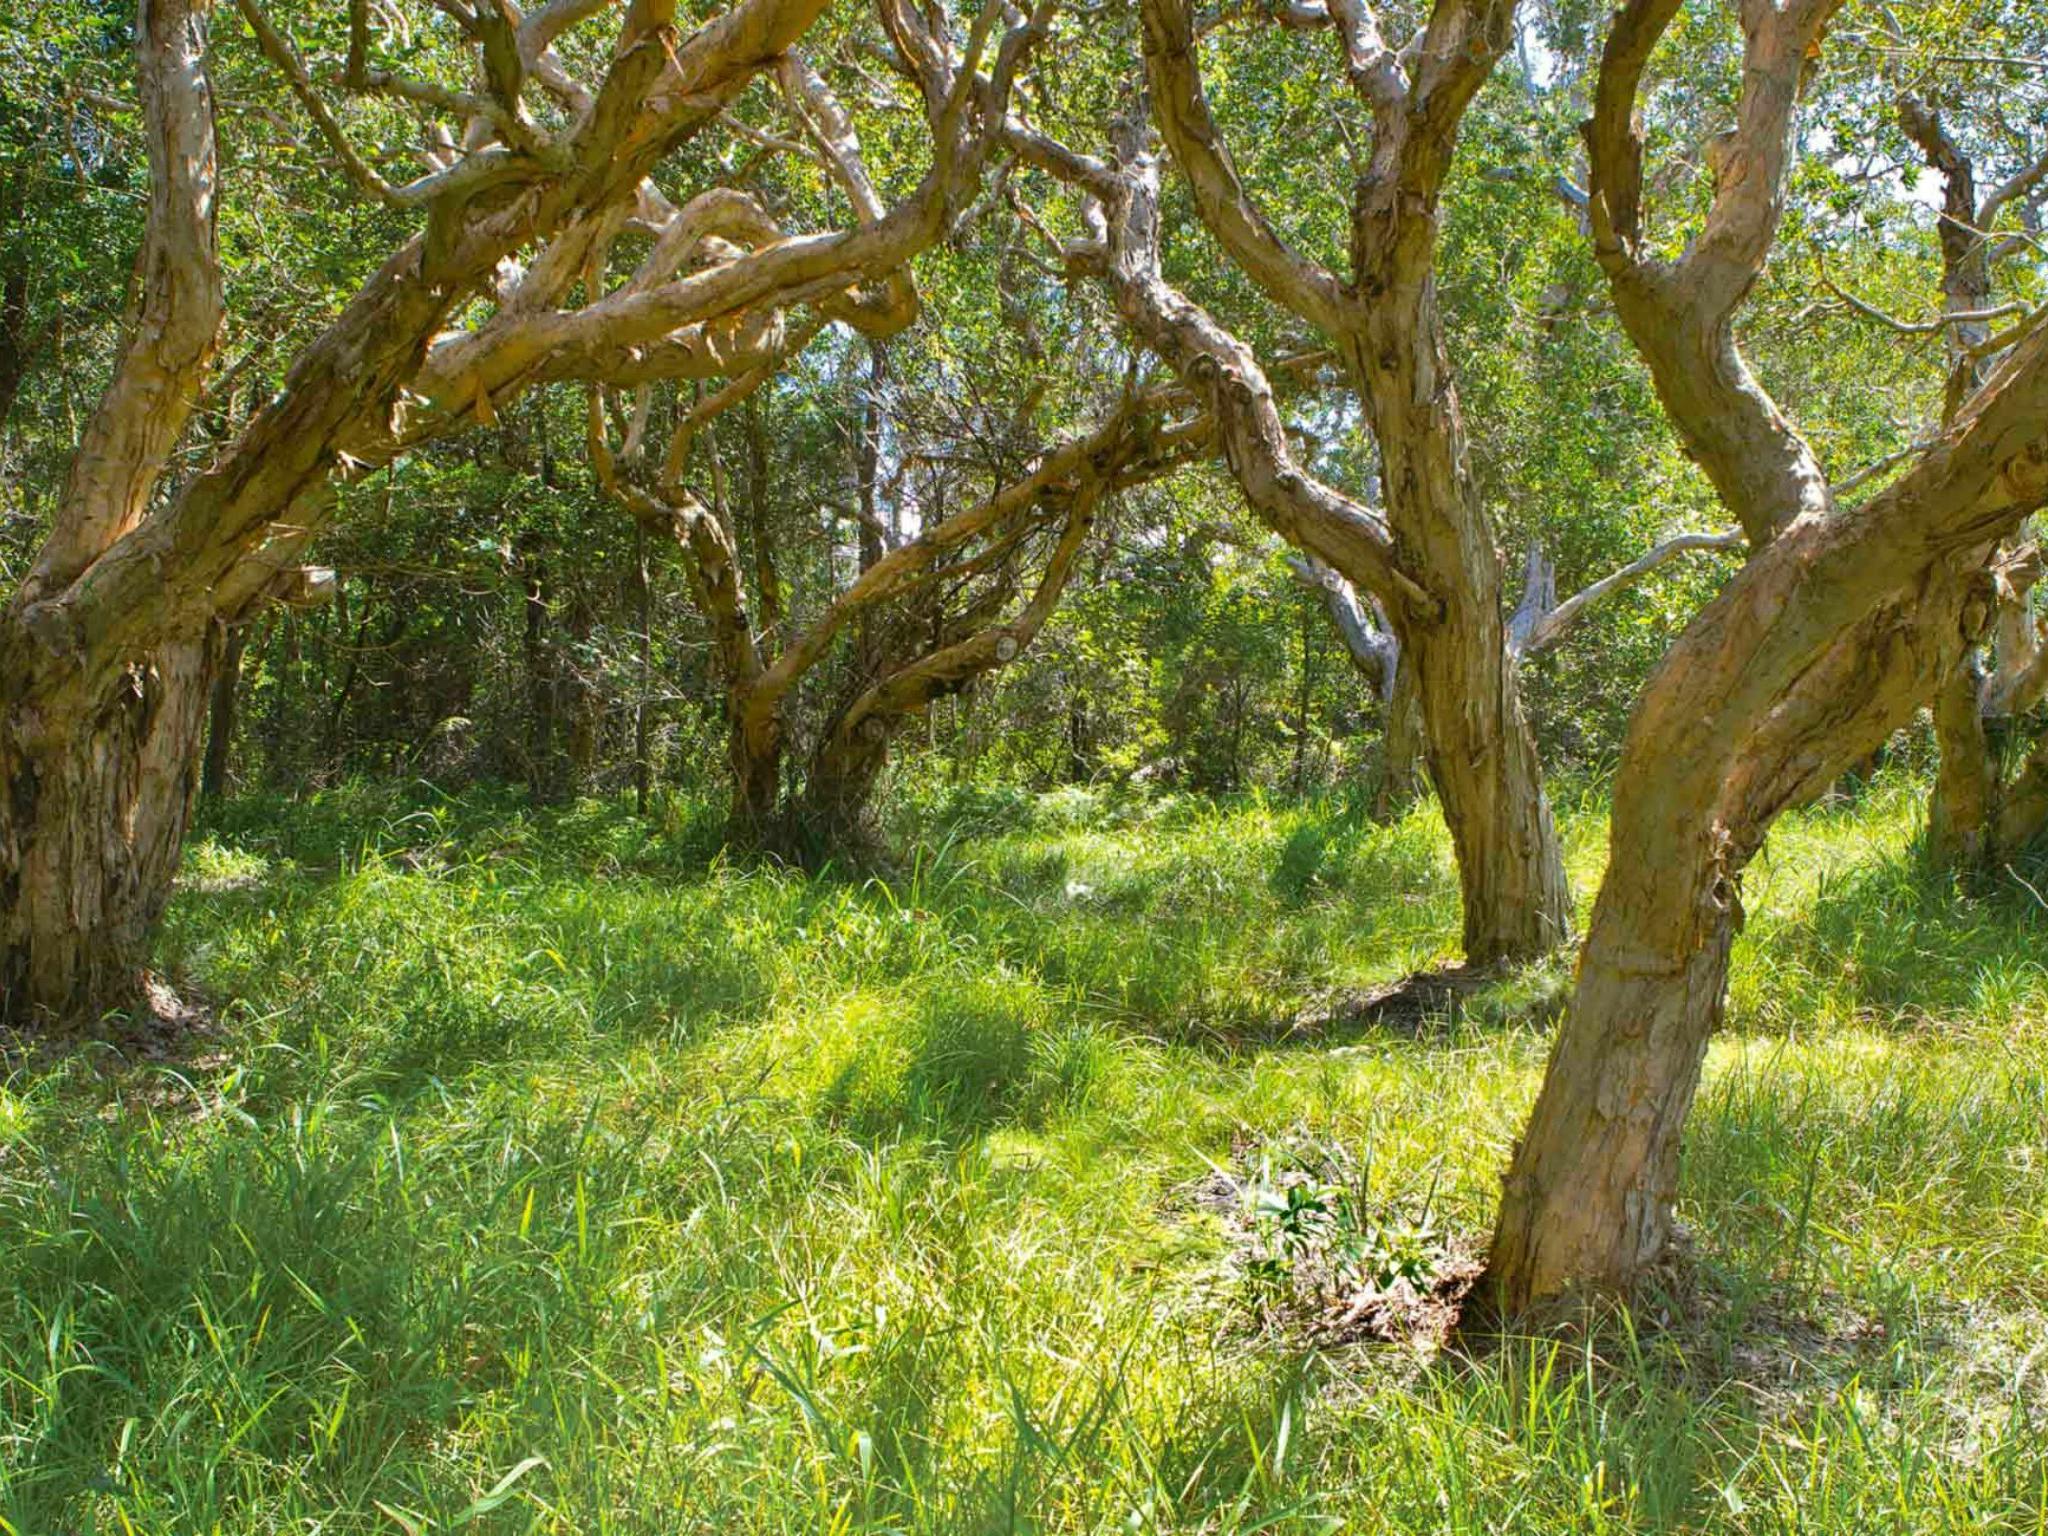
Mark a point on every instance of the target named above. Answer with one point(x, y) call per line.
point(1818, 649)
point(96, 789)
point(103, 646)
point(1588, 1204)
point(1751, 712)
point(1481, 754)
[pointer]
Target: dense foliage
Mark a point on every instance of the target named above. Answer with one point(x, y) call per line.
point(491, 607)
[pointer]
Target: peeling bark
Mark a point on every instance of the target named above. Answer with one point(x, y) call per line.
point(96, 784)
point(1966, 826)
point(1826, 640)
point(92, 818)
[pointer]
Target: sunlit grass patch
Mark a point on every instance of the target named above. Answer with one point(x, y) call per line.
point(703, 1195)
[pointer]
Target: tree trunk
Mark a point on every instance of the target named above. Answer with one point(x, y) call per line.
point(835, 816)
point(643, 595)
point(1481, 755)
point(757, 784)
point(220, 729)
point(1818, 649)
point(95, 794)
point(1078, 769)
point(1964, 800)
point(585, 703)
point(1811, 657)
point(1402, 762)
point(538, 660)
point(1588, 1204)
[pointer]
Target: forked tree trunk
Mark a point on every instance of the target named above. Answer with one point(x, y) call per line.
point(1440, 580)
point(99, 755)
point(94, 803)
point(1840, 625)
point(1818, 649)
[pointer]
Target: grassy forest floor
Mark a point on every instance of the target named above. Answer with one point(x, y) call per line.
point(546, 1173)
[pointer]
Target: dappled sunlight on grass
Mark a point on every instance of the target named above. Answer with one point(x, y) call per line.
point(753, 1202)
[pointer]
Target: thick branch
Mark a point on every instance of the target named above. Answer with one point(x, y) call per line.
point(1288, 277)
point(1680, 314)
point(158, 376)
point(1225, 377)
point(1373, 648)
point(167, 576)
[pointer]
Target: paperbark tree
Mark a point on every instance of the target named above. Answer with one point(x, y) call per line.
point(965, 111)
point(932, 609)
point(93, 792)
point(1827, 638)
point(106, 646)
point(1384, 321)
point(1430, 560)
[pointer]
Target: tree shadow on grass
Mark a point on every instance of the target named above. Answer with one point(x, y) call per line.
point(975, 1054)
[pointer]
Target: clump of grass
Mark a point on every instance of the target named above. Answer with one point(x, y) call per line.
point(547, 1172)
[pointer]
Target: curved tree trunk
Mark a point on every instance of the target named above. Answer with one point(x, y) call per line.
point(1383, 320)
point(103, 646)
point(99, 762)
point(1819, 648)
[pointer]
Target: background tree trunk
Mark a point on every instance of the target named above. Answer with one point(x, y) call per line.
point(1963, 802)
point(834, 817)
point(1403, 763)
point(220, 728)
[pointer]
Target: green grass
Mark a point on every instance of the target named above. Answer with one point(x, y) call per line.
point(548, 1173)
